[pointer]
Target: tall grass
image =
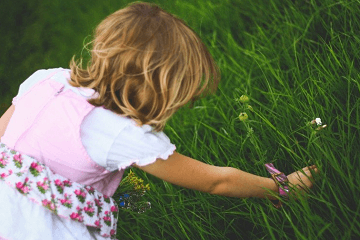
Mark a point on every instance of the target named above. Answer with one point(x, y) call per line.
point(296, 60)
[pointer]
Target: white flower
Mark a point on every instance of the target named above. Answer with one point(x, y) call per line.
point(318, 121)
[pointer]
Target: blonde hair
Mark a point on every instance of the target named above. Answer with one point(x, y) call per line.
point(146, 64)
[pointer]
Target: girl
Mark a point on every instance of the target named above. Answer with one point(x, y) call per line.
point(71, 133)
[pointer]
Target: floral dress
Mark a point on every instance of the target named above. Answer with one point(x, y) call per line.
point(59, 195)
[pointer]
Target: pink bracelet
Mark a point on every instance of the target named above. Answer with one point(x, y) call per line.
point(281, 180)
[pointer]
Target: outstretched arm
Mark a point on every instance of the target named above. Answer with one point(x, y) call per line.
point(193, 174)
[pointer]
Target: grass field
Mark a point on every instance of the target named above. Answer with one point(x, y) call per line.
point(296, 60)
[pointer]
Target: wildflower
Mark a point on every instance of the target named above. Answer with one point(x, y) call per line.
point(317, 121)
point(133, 188)
point(244, 99)
point(243, 116)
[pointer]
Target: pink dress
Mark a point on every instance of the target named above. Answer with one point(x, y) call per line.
point(50, 188)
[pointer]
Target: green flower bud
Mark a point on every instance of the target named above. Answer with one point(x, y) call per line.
point(244, 99)
point(243, 116)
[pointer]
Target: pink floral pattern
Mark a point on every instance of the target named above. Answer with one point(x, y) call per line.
point(59, 195)
point(3, 160)
point(24, 187)
point(18, 160)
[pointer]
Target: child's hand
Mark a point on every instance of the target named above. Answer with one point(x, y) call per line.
point(300, 181)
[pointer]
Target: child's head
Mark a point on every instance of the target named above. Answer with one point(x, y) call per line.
point(146, 64)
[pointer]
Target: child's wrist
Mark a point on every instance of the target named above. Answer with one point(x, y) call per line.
point(273, 187)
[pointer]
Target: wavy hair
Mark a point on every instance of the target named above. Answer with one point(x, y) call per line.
point(146, 64)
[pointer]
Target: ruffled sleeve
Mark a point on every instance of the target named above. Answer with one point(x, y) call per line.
point(139, 145)
point(31, 81)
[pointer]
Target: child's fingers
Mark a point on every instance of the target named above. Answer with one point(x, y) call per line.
point(309, 174)
point(313, 167)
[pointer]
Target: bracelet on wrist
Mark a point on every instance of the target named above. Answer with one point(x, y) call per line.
point(281, 181)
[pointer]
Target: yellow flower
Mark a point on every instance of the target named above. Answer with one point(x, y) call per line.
point(243, 116)
point(134, 182)
point(244, 99)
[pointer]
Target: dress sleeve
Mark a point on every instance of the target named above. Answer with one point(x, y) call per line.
point(138, 145)
point(31, 81)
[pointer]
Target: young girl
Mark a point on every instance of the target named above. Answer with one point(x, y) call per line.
point(71, 133)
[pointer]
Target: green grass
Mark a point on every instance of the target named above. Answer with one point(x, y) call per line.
point(296, 60)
